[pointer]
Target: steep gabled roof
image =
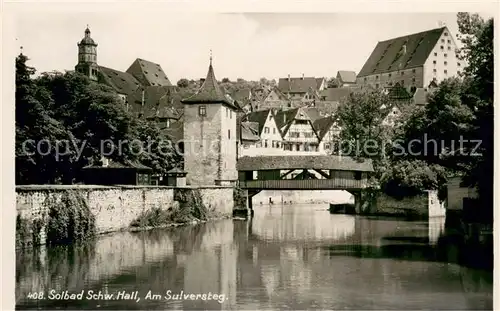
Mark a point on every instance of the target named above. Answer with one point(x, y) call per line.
point(346, 76)
point(210, 92)
point(319, 81)
point(284, 119)
point(159, 101)
point(259, 117)
point(148, 73)
point(297, 85)
point(249, 131)
point(390, 55)
point(322, 126)
point(121, 82)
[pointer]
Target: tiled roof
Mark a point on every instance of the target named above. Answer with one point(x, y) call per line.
point(209, 92)
point(319, 81)
point(322, 126)
point(148, 73)
point(249, 131)
point(284, 119)
point(343, 163)
point(420, 96)
point(390, 55)
point(175, 132)
point(327, 107)
point(159, 101)
point(297, 85)
point(259, 117)
point(336, 94)
point(399, 93)
point(242, 95)
point(313, 113)
point(346, 76)
point(122, 82)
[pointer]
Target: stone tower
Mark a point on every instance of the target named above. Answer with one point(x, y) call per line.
point(87, 57)
point(210, 141)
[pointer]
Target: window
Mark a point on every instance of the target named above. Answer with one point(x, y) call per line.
point(449, 41)
point(445, 63)
point(357, 175)
point(434, 62)
point(273, 144)
point(442, 40)
point(227, 112)
point(449, 48)
point(442, 47)
point(327, 146)
point(413, 70)
point(365, 79)
point(376, 77)
point(413, 80)
point(202, 111)
point(274, 130)
point(266, 130)
point(230, 114)
point(445, 55)
point(435, 54)
point(376, 86)
point(390, 75)
point(445, 34)
point(434, 70)
point(265, 143)
point(287, 147)
point(445, 71)
point(402, 73)
point(458, 64)
point(228, 134)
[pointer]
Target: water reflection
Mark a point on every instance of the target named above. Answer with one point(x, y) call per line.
point(300, 257)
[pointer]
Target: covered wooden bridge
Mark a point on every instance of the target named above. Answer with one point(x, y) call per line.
point(322, 172)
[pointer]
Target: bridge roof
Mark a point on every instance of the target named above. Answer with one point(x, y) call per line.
point(319, 162)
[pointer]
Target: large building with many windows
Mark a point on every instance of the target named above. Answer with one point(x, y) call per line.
point(413, 61)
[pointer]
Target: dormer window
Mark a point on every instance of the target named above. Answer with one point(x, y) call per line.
point(445, 34)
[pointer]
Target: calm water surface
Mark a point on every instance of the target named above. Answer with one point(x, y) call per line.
point(287, 257)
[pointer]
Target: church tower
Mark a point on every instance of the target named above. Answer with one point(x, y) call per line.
point(210, 140)
point(87, 57)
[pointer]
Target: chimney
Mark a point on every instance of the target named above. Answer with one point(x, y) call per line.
point(202, 80)
point(288, 78)
point(142, 100)
point(302, 76)
point(284, 118)
point(404, 49)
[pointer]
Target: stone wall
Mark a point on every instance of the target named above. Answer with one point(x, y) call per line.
point(114, 208)
point(424, 205)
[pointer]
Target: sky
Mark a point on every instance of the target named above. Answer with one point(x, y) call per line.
point(244, 45)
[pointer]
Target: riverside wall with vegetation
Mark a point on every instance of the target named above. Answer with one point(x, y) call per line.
point(67, 214)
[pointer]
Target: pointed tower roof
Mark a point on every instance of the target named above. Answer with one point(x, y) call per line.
point(209, 92)
point(87, 39)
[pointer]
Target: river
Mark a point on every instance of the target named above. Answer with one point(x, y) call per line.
point(287, 257)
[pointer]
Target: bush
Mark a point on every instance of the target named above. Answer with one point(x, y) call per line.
point(70, 219)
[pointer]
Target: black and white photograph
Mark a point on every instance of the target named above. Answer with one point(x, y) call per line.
point(166, 158)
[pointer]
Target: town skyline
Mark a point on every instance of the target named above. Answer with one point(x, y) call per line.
point(263, 38)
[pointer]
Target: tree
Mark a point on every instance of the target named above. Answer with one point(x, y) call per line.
point(225, 80)
point(183, 83)
point(363, 134)
point(159, 153)
point(37, 133)
point(477, 38)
